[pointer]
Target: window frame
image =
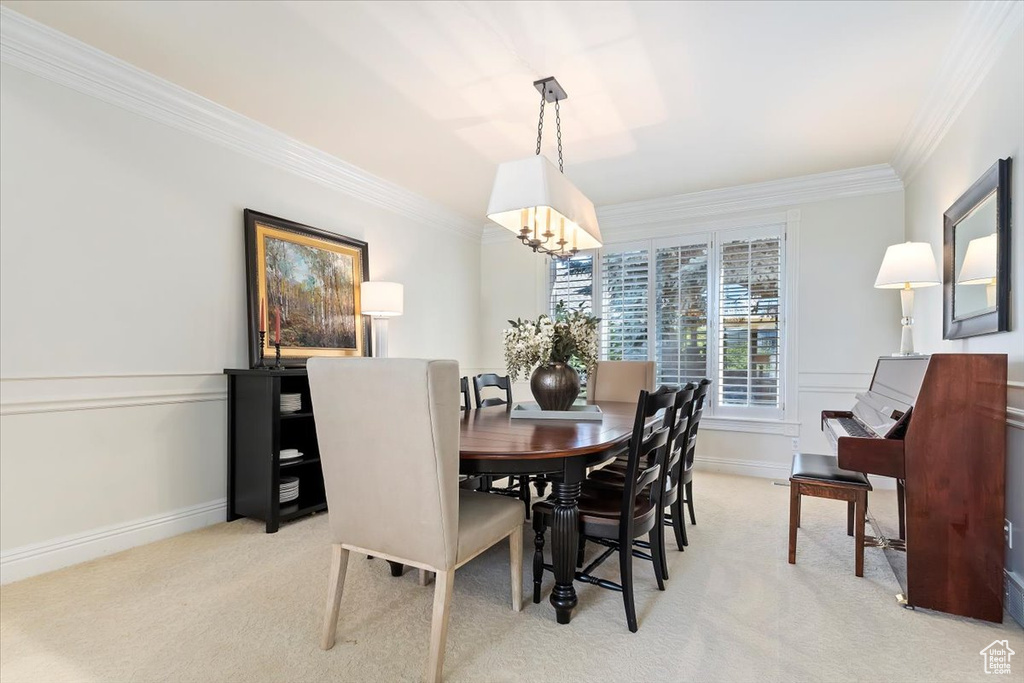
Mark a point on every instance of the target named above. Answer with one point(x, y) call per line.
point(718, 239)
point(785, 226)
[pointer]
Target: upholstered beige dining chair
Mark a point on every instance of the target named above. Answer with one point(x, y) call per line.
point(619, 380)
point(388, 431)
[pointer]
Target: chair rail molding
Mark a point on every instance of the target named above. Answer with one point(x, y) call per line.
point(55, 56)
point(970, 55)
point(825, 382)
point(28, 395)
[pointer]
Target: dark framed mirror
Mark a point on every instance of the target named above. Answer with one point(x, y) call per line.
point(976, 258)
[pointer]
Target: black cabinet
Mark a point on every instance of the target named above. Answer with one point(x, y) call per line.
point(257, 433)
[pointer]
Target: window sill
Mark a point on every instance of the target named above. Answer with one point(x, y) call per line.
point(751, 425)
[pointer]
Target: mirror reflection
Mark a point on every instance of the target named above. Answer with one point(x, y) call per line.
point(975, 259)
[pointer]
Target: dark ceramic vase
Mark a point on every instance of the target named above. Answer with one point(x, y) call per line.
point(555, 386)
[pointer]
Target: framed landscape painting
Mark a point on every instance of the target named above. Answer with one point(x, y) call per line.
point(304, 284)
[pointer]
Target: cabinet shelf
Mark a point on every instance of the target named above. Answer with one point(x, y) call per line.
point(299, 461)
point(254, 398)
point(303, 510)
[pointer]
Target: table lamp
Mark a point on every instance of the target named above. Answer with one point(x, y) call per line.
point(907, 267)
point(380, 301)
point(980, 266)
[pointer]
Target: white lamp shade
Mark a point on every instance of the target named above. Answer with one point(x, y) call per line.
point(533, 192)
point(381, 299)
point(979, 262)
point(911, 264)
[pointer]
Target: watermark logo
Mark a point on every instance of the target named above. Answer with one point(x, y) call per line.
point(997, 657)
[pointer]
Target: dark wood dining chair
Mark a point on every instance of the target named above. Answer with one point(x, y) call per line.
point(474, 483)
point(614, 474)
point(699, 397)
point(492, 380)
point(517, 486)
point(616, 518)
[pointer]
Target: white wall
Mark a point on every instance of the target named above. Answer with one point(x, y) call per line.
point(990, 127)
point(122, 288)
point(843, 324)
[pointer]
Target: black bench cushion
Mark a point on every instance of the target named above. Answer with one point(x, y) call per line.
point(811, 466)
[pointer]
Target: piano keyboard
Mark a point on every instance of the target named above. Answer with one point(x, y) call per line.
point(837, 427)
point(853, 428)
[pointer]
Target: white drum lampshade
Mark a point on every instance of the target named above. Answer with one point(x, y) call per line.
point(532, 193)
point(906, 267)
point(381, 300)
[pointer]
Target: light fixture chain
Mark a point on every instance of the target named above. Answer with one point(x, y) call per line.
point(540, 123)
point(558, 130)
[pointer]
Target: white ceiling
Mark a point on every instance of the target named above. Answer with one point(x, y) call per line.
point(664, 98)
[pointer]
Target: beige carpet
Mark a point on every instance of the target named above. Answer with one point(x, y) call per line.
point(230, 603)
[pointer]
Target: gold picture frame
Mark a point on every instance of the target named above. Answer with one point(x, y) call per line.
point(312, 280)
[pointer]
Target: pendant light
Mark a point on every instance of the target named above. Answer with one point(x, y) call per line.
point(537, 202)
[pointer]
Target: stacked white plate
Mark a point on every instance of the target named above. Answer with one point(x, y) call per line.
point(291, 403)
point(289, 489)
point(290, 454)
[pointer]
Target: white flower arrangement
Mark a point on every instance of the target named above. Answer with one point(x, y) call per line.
point(569, 337)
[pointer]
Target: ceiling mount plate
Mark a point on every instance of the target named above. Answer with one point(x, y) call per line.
point(550, 89)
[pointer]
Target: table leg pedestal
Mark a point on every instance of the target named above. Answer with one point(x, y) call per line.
point(564, 547)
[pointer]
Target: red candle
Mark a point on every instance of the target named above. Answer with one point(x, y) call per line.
point(263, 321)
point(277, 326)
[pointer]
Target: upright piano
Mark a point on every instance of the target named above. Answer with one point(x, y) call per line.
point(937, 424)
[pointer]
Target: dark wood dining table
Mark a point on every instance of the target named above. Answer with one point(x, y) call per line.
point(493, 443)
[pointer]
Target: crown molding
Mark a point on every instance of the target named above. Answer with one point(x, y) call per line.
point(974, 49)
point(753, 197)
point(55, 56)
point(617, 220)
point(495, 234)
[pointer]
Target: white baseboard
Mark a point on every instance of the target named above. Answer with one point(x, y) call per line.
point(38, 558)
point(748, 468)
point(1014, 601)
point(766, 470)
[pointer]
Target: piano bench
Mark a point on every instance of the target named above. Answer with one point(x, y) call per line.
point(820, 476)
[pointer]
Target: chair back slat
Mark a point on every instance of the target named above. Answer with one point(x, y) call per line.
point(645, 459)
point(679, 430)
point(464, 388)
point(492, 380)
point(699, 396)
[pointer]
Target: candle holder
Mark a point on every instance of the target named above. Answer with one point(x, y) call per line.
point(277, 354)
point(260, 365)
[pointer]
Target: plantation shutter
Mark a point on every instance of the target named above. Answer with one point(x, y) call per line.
point(749, 352)
point(681, 316)
point(572, 281)
point(624, 304)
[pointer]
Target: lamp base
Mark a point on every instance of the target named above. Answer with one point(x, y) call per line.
point(907, 335)
point(380, 337)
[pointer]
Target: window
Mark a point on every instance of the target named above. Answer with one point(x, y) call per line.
point(572, 281)
point(706, 305)
point(748, 322)
point(681, 314)
point(624, 303)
